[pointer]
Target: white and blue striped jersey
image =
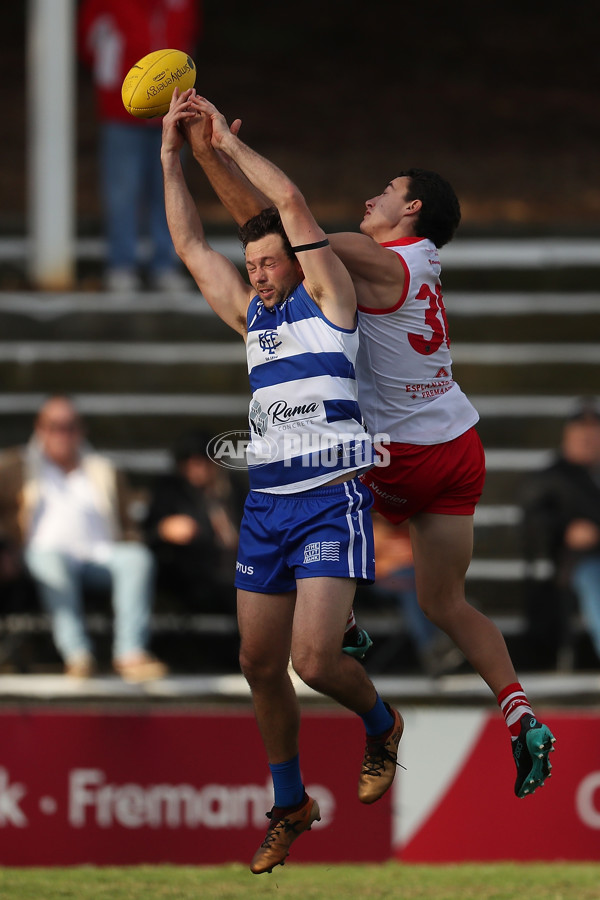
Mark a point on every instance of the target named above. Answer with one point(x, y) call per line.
point(305, 421)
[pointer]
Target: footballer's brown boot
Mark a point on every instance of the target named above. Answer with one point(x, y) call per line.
point(285, 827)
point(380, 761)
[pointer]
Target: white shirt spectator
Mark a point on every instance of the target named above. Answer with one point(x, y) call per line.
point(68, 516)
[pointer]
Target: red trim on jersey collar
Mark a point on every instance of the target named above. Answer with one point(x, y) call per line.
point(402, 242)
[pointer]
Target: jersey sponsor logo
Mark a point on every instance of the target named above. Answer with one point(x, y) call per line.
point(268, 341)
point(322, 550)
point(391, 498)
point(244, 569)
point(433, 389)
point(258, 418)
point(435, 392)
point(282, 414)
point(441, 373)
point(431, 385)
point(330, 550)
point(312, 552)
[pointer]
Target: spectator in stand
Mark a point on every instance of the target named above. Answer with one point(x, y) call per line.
point(561, 506)
point(395, 583)
point(65, 508)
point(14, 596)
point(192, 528)
point(113, 35)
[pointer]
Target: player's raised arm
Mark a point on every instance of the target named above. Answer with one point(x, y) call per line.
point(238, 195)
point(325, 277)
point(378, 275)
point(216, 276)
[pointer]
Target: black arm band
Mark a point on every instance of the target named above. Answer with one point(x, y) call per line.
point(314, 246)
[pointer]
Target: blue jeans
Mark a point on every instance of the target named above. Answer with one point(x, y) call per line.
point(133, 195)
point(400, 585)
point(128, 573)
point(585, 580)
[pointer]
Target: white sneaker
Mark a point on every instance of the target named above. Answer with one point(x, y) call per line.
point(123, 281)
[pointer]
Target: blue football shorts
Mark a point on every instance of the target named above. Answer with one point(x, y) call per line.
point(324, 532)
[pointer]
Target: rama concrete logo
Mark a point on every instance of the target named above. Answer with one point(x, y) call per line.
point(229, 450)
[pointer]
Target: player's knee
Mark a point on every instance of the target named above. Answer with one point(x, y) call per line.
point(314, 678)
point(440, 606)
point(256, 668)
point(253, 670)
point(312, 669)
point(432, 611)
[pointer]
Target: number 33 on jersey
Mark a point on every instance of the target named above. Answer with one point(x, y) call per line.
point(404, 367)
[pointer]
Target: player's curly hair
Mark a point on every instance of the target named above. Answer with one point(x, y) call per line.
point(268, 221)
point(439, 216)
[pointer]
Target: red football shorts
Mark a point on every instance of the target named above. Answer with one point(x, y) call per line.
point(435, 478)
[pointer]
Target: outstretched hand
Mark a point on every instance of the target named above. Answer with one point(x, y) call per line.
point(198, 130)
point(221, 132)
point(180, 109)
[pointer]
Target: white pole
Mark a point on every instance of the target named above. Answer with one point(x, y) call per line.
point(50, 146)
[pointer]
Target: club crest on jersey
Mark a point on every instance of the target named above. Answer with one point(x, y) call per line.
point(268, 341)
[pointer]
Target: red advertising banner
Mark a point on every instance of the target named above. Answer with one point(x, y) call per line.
point(172, 787)
point(455, 802)
point(161, 786)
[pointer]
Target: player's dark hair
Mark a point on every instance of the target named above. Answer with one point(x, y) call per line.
point(268, 221)
point(440, 214)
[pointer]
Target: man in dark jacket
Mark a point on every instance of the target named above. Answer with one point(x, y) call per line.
point(561, 507)
point(191, 527)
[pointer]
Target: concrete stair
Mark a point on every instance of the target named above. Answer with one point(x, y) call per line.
point(145, 368)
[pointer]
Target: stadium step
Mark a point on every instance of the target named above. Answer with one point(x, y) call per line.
point(143, 369)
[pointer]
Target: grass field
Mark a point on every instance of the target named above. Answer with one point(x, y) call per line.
point(509, 881)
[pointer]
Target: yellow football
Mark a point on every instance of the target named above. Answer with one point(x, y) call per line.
point(149, 84)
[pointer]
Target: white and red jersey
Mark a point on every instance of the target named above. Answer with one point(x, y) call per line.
point(404, 368)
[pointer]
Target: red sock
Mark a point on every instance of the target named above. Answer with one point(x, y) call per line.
point(514, 704)
point(351, 623)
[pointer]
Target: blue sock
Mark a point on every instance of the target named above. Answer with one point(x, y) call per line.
point(287, 782)
point(378, 719)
